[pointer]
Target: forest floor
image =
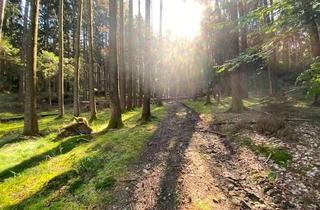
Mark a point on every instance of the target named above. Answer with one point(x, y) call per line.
point(191, 156)
point(78, 172)
point(202, 157)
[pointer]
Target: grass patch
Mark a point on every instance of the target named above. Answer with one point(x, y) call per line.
point(272, 175)
point(279, 156)
point(74, 172)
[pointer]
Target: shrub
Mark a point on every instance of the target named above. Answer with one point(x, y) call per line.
point(270, 125)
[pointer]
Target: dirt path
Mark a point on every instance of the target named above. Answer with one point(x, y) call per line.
point(187, 166)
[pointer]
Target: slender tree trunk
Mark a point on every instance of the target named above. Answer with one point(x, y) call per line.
point(160, 70)
point(122, 68)
point(49, 91)
point(23, 53)
point(115, 117)
point(243, 47)
point(61, 61)
point(30, 113)
point(131, 58)
point(140, 63)
point(2, 9)
point(146, 111)
point(93, 109)
point(237, 104)
point(106, 78)
point(76, 100)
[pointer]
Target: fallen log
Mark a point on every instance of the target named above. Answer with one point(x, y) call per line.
point(5, 120)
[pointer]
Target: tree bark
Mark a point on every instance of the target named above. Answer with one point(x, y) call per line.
point(49, 92)
point(146, 110)
point(314, 38)
point(30, 113)
point(2, 9)
point(237, 104)
point(61, 61)
point(24, 47)
point(122, 67)
point(115, 116)
point(76, 100)
point(244, 46)
point(131, 58)
point(160, 70)
point(93, 109)
point(140, 63)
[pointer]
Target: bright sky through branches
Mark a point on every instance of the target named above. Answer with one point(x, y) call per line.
point(181, 18)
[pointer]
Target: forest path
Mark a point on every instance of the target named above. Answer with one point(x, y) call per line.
point(187, 166)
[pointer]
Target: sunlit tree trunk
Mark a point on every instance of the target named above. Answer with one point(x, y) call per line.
point(61, 61)
point(2, 9)
point(243, 47)
point(76, 100)
point(115, 117)
point(160, 69)
point(30, 113)
point(93, 109)
point(140, 63)
point(130, 57)
point(23, 53)
point(146, 111)
point(237, 104)
point(122, 68)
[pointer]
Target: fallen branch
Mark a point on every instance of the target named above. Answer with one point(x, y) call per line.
point(213, 132)
point(5, 120)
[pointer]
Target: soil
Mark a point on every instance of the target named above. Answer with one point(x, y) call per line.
point(188, 165)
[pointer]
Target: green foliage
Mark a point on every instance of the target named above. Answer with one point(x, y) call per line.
point(278, 155)
point(250, 56)
point(9, 53)
point(311, 78)
point(48, 63)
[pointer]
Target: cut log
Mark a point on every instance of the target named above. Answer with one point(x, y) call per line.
point(79, 126)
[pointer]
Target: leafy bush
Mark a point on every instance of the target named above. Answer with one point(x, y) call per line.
point(311, 78)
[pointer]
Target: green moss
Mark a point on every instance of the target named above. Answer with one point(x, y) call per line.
point(73, 173)
point(106, 184)
point(272, 175)
point(278, 155)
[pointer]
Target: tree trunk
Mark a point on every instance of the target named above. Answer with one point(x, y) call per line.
point(76, 100)
point(243, 47)
point(140, 63)
point(160, 70)
point(49, 92)
point(115, 116)
point(93, 109)
point(146, 110)
point(122, 67)
point(314, 38)
point(24, 47)
point(131, 57)
point(2, 9)
point(61, 60)
point(30, 113)
point(237, 104)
